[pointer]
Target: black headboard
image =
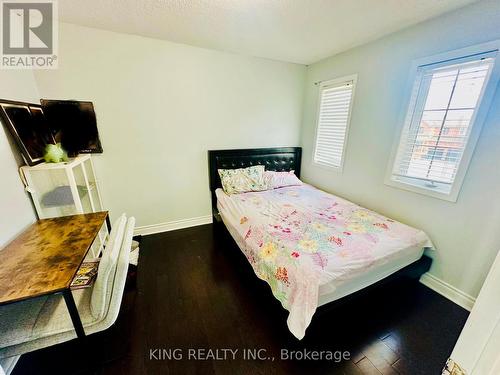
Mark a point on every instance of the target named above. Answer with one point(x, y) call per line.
point(274, 159)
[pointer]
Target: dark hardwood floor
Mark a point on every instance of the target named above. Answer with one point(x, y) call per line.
point(195, 290)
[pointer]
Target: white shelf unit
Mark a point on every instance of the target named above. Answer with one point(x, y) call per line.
point(67, 188)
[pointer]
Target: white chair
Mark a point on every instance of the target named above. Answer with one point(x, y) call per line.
point(41, 322)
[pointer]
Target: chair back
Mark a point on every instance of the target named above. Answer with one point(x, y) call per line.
point(107, 266)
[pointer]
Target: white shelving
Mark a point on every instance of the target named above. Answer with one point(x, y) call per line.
point(68, 188)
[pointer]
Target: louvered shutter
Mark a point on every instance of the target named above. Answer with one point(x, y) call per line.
point(333, 122)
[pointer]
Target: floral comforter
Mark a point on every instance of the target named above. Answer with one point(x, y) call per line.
point(298, 238)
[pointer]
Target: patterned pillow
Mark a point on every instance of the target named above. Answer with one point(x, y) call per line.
point(276, 180)
point(241, 180)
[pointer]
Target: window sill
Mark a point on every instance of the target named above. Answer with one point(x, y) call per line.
point(421, 188)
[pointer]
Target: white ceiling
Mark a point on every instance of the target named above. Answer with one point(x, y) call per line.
point(300, 31)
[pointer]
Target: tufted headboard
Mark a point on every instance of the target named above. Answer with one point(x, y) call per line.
point(274, 159)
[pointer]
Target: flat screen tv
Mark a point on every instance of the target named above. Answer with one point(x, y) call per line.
point(73, 123)
point(29, 128)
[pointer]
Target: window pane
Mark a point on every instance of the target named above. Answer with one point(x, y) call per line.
point(430, 126)
point(469, 85)
point(440, 90)
point(455, 128)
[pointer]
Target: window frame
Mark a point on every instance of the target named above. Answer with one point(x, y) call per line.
point(476, 125)
point(321, 85)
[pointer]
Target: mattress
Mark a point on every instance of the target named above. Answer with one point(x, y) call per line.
point(333, 291)
point(312, 247)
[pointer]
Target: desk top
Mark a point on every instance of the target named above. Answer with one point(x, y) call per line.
point(45, 257)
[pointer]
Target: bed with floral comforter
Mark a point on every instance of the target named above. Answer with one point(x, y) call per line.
point(298, 238)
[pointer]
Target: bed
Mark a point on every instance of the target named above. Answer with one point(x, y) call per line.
point(311, 247)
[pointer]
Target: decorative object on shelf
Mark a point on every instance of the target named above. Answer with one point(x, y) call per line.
point(67, 188)
point(55, 154)
point(28, 127)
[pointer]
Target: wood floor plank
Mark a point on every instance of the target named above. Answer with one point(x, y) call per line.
point(357, 356)
point(382, 357)
point(401, 367)
point(367, 367)
point(350, 368)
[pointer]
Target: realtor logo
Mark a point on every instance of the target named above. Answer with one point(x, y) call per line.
point(29, 34)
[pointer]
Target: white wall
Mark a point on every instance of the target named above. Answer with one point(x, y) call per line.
point(160, 106)
point(16, 211)
point(466, 233)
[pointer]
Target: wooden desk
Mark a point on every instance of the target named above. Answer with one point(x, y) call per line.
point(44, 259)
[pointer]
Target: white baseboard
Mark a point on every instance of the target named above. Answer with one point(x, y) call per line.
point(449, 291)
point(172, 225)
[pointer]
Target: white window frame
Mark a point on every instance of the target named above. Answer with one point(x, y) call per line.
point(475, 126)
point(322, 84)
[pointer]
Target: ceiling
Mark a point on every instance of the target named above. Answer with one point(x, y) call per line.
point(299, 31)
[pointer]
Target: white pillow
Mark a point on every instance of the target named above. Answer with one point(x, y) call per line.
point(276, 180)
point(241, 180)
point(106, 265)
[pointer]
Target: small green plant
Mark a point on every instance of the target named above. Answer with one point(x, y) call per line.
point(55, 153)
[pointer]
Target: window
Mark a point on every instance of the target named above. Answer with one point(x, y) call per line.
point(449, 101)
point(335, 104)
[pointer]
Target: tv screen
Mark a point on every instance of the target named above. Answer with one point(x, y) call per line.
point(28, 127)
point(73, 123)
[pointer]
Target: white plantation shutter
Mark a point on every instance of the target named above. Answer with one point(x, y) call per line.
point(445, 101)
point(335, 105)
